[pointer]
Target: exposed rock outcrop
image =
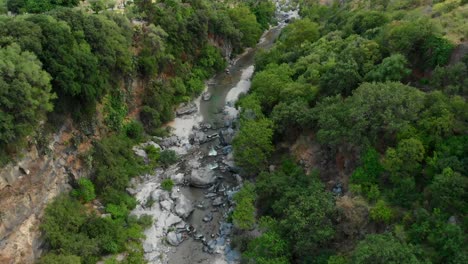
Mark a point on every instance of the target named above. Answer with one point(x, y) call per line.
point(26, 187)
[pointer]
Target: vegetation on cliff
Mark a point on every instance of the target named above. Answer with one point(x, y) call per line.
point(59, 62)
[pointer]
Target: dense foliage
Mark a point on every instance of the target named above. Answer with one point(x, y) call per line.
point(377, 82)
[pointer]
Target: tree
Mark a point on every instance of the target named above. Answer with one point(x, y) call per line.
point(246, 22)
point(404, 161)
point(373, 112)
point(62, 223)
point(25, 95)
point(253, 145)
point(408, 36)
point(267, 85)
point(449, 192)
point(393, 68)
point(243, 216)
point(383, 249)
point(299, 32)
point(268, 248)
point(342, 78)
point(381, 212)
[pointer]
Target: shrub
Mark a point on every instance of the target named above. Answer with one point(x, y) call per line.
point(381, 212)
point(167, 184)
point(117, 211)
point(154, 155)
point(85, 191)
point(167, 157)
point(134, 130)
point(244, 213)
point(51, 258)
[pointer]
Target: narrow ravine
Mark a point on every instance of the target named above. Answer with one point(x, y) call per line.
point(190, 221)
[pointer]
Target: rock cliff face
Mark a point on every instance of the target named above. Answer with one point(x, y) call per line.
point(26, 187)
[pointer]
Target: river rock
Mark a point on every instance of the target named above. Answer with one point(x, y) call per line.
point(177, 178)
point(174, 238)
point(186, 109)
point(166, 205)
point(170, 141)
point(183, 206)
point(140, 152)
point(171, 220)
point(218, 201)
point(202, 177)
point(198, 137)
point(208, 217)
point(206, 96)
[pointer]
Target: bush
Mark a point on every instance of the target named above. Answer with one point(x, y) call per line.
point(51, 258)
point(167, 184)
point(244, 213)
point(381, 212)
point(168, 157)
point(117, 211)
point(154, 155)
point(85, 191)
point(134, 130)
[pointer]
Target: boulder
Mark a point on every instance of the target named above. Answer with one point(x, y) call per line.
point(183, 207)
point(186, 109)
point(140, 152)
point(166, 205)
point(174, 238)
point(170, 141)
point(177, 178)
point(202, 178)
point(171, 220)
point(198, 137)
point(206, 96)
point(208, 217)
point(218, 201)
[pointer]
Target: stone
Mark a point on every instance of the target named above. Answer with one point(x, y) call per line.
point(183, 207)
point(202, 178)
point(172, 219)
point(212, 152)
point(175, 193)
point(24, 170)
point(170, 141)
point(198, 236)
point(198, 137)
point(174, 238)
point(208, 217)
point(213, 165)
point(210, 195)
point(227, 149)
point(206, 96)
point(166, 205)
point(140, 152)
point(218, 201)
point(186, 109)
point(177, 178)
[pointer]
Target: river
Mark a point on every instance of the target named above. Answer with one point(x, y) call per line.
point(190, 221)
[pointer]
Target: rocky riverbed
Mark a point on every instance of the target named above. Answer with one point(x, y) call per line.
point(190, 221)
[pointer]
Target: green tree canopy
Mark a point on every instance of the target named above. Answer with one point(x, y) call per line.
point(253, 145)
point(383, 249)
point(25, 94)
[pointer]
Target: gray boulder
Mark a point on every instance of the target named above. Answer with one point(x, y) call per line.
point(202, 177)
point(186, 109)
point(166, 205)
point(183, 207)
point(174, 238)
